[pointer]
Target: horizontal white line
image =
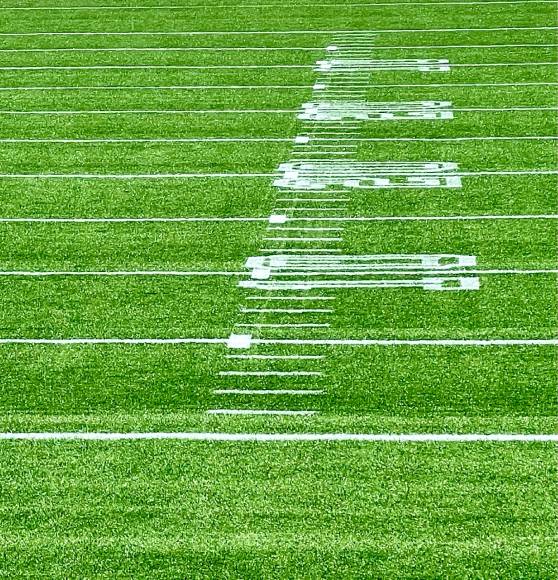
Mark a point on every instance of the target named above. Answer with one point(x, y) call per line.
point(256, 412)
point(160, 140)
point(267, 392)
point(238, 175)
point(293, 437)
point(227, 112)
point(269, 374)
point(294, 325)
point(54, 220)
point(416, 342)
point(350, 33)
point(284, 310)
point(272, 5)
point(429, 218)
point(518, 84)
point(94, 341)
point(129, 220)
point(411, 272)
point(454, 139)
point(284, 341)
point(276, 356)
point(117, 273)
point(306, 240)
point(240, 66)
point(159, 88)
point(260, 87)
point(289, 298)
point(261, 48)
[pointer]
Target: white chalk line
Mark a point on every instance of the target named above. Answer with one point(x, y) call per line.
point(291, 298)
point(350, 33)
point(238, 112)
point(313, 139)
point(270, 5)
point(276, 356)
point(116, 273)
point(126, 176)
point(270, 374)
point(207, 49)
point(268, 392)
point(285, 310)
point(282, 341)
point(257, 412)
point(305, 88)
point(286, 437)
point(53, 220)
point(244, 66)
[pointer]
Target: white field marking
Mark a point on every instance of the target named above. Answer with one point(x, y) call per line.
point(284, 341)
point(300, 250)
point(94, 341)
point(318, 209)
point(271, 5)
point(243, 176)
point(57, 220)
point(429, 284)
point(155, 112)
point(351, 34)
point(285, 310)
point(488, 85)
point(268, 392)
point(257, 412)
point(306, 229)
point(159, 67)
point(117, 273)
point(428, 218)
point(455, 139)
point(415, 342)
point(305, 240)
point(411, 272)
point(291, 298)
point(270, 374)
point(277, 356)
point(157, 140)
point(159, 88)
point(503, 109)
point(287, 437)
point(295, 325)
point(261, 48)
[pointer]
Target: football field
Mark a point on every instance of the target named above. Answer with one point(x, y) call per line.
point(278, 289)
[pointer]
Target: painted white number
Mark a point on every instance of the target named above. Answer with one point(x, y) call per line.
point(363, 111)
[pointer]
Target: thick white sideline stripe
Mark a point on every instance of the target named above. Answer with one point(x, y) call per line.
point(287, 341)
point(267, 392)
point(350, 33)
point(290, 437)
point(55, 220)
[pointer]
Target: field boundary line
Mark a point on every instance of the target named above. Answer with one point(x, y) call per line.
point(287, 437)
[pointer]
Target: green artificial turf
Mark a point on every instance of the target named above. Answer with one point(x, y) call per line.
point(201, 510)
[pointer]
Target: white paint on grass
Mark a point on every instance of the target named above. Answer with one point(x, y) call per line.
point(258, 412)
point(286, 437)
point(268, 392)
point(269, 374)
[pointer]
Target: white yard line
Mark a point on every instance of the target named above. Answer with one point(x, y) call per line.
point(350, 33)
point(319, 49)
point(231, 112)
point(270, 374)
point(55, 220)
point(257, 412)
point(283, 341)
point(305, 88)
point(268, 392)
point(270, 5)
point(243, 66)
point(286, 437)
point(117, 273)
point(239, 175)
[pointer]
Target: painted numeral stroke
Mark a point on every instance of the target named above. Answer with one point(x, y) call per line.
point(371, 65)
point(321, 174)
point(363, 111)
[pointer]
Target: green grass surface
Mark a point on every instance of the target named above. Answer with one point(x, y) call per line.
point(164, 509)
